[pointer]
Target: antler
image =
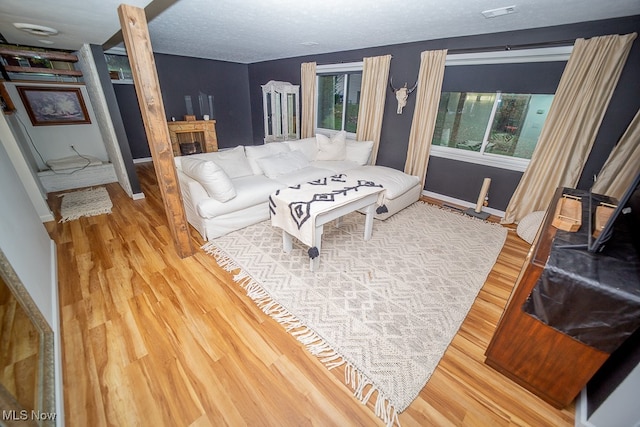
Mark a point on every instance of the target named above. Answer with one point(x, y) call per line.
point(393, 89)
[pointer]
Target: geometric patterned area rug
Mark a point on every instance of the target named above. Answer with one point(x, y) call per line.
point(386, 308)
point(91, 202)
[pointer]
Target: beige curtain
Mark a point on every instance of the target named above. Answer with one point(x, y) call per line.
point(582, 97)
point(308, 99)
point(375, 74)
point(424, 116)
point(623, 163)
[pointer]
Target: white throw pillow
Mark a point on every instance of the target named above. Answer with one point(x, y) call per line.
point(232, 160)
point(282, 163)
point(308, 146)
point(255, 152)
point(211, 176)
point(359, 151)
point(334, 148)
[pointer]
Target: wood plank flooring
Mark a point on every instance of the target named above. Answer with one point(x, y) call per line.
point(151, 339)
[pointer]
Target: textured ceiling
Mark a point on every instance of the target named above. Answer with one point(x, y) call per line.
point(78, 21)
point(248, 31)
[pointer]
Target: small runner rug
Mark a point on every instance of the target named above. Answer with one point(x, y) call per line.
point(91, 202)
point(386, 308)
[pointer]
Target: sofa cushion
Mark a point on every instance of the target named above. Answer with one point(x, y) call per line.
point(307, 174)
point(282, 163)
point(233, 161)
point(395, 182)
point(335, 166)
point(334, 148)
point(255, 152)
point(211, 176)
point(359, 151)
point(308, 146)
point(251, 191)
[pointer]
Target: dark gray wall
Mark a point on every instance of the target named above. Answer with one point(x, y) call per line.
point(116, 119)
point(226, 81)
point(459, 179)
point(132, 120)
point(179, 76)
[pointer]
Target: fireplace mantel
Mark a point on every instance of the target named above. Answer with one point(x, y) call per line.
point(203, 131)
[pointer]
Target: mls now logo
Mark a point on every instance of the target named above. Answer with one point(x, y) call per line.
point(23, 415)
point(14, 415)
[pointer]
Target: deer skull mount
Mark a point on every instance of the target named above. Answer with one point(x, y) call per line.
point(402, 94)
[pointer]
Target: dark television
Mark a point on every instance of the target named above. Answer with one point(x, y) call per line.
point(629, 204)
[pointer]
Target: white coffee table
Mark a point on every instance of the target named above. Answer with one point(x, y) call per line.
point(309, 217)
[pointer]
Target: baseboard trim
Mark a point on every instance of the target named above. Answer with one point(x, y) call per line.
point(462, 203)
point(57, 339)
point(46, 218)
point(143, 160)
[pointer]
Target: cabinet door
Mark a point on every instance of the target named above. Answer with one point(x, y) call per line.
point(291, 104)
point(281, 111)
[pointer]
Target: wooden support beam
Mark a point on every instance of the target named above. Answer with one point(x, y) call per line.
point(145, 78)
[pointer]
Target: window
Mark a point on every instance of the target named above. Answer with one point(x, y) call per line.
point(118, 66)
point(338, 96)
point(491, 123)
point(493, 105)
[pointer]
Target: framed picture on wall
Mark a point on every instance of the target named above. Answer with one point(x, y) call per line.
point(54, 105)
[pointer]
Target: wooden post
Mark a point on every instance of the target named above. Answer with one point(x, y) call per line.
point(136, 39)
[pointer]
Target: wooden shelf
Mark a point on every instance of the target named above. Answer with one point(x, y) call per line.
point(38, 70)
point(25, 62)
point(52, 56)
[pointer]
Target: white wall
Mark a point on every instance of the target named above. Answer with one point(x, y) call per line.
point(26, 244)
point(27, 176)
point(53, 142)
point(620, 409)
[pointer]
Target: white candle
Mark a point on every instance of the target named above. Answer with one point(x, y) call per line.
point(483, 194)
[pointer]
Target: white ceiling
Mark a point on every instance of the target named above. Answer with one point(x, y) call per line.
point(247, 31)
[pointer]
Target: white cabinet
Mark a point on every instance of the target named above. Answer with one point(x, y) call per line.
point(280, 103)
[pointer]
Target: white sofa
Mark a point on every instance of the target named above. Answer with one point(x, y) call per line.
point(229, 189)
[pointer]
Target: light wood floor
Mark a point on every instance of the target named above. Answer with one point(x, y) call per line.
point(150, 339)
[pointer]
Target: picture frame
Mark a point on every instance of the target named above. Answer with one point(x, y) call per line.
point(48, 106)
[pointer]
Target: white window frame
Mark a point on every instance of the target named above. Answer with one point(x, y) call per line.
point(548, 54)
point(347, 67)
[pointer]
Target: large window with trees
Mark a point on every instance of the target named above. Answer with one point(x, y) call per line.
point(493, 105)
point(505, 124)
point(338, 97)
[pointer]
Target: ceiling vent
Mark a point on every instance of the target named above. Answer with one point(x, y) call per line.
point(36, 30)
point(492, 13)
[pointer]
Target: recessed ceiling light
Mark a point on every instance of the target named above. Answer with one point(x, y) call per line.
point(36, 30)
point(492, 13)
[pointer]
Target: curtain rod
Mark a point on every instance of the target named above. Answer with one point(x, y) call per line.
point(496, 48)
point(511, 47)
